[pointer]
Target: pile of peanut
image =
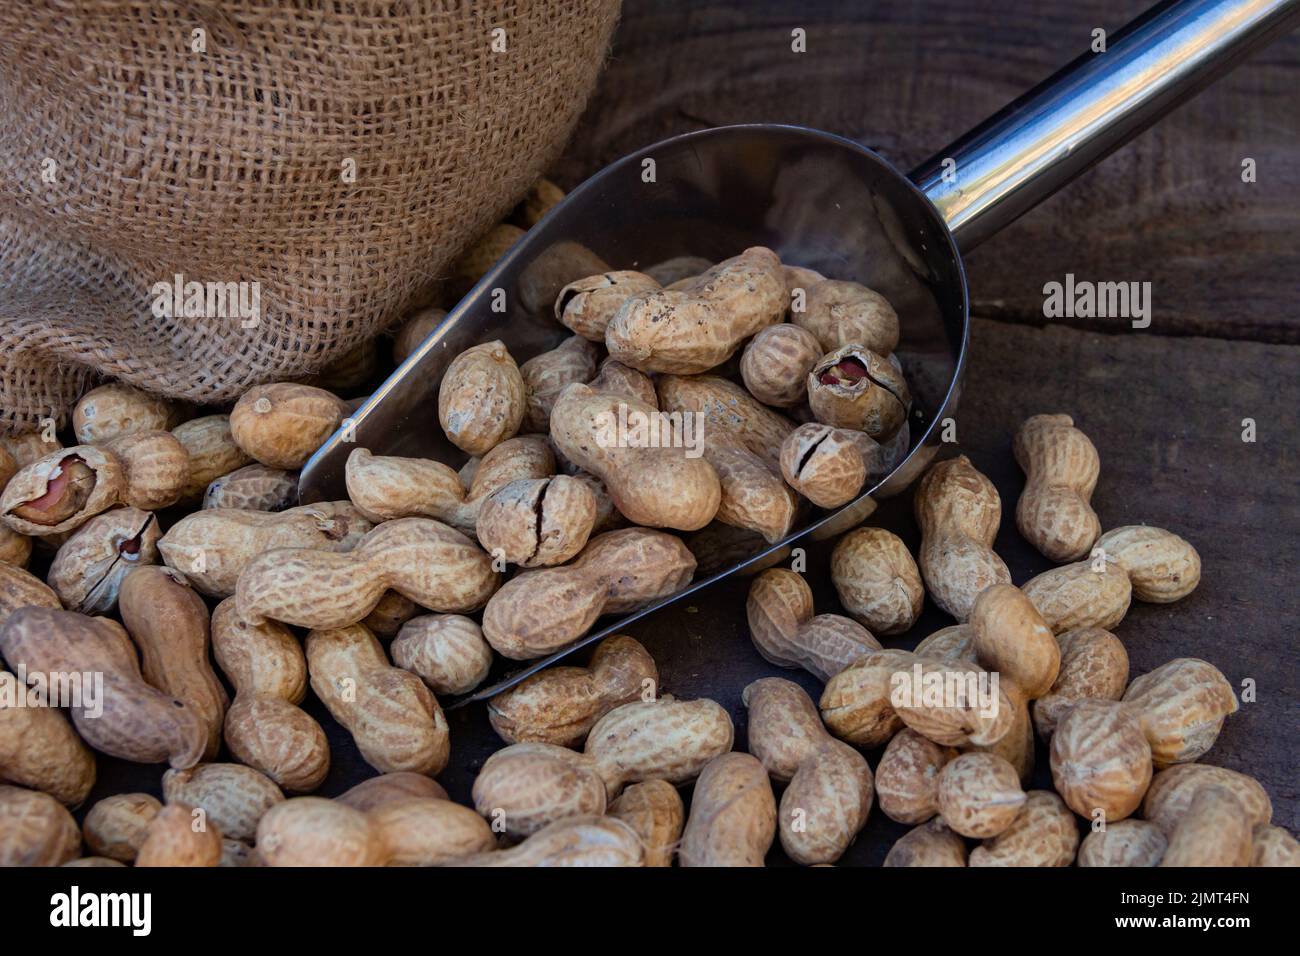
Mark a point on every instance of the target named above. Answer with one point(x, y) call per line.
point(550, 526)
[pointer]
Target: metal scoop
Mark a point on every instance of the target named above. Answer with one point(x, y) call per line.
point(827, 203)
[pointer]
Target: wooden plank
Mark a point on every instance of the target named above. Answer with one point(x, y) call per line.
point(1170, 209)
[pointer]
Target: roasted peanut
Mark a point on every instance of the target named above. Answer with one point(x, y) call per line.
point(524, 787)
point(435, 566)
point(1084, 594)
point(253, 488)
point(385, 487)
point(156, 468)
point(1101, 762)
point(38, 747)
point(481, 398)
point(264, 727)
point(396, 723)
point(878, 582)
point(1124, 843)
point(62, 491)
point(580, 842)
point(15, 548)
point(620, 379)
point(699, 326)
point(785, 632)
point(212, 452)
point(1061, 467)
point(88, 569)
point(313, 831)
point(1181, 707)
point(392, 788)
point(980, 795)
point(953, 644)
point(412, 333)
point(29, 447)
point(654, 481)
point(776, 363)
point(733, 814)
point(950, 704)
point(35, 829)
point(1161, 566)
point(1012, 639)
point(839, 313)
point(233, 796)
point(665, 738)
point(1173, 790)
point(539, 611)
point(1044, 833)
point(423, 831)
point(546, 375)
point(728, 413)
point(115, 826)
point(856, 704)
point(830, 792)
point(282, 425)
point(654, 810)
point(823, 464)
point(446, 651)
point(930, 844)
point(1215, 831)
point(537, 522)
point(587, 305)
point(959, 511)
point(907, 777)
point(169, 624)
point(388, 616)
point(111, 411)
point(1274, 846)
point(753, 496)
point(138, 722)
point(855, 388)
point(561, 704)
point(1094, 665)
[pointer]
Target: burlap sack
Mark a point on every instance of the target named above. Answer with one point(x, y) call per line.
point(128, 157)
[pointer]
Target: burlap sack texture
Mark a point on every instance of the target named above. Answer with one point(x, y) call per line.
point(126, 157)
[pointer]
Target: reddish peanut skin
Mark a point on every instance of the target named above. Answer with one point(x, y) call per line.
point(1061, 467)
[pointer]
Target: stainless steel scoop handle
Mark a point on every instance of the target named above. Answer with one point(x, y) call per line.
point(1027, 151)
